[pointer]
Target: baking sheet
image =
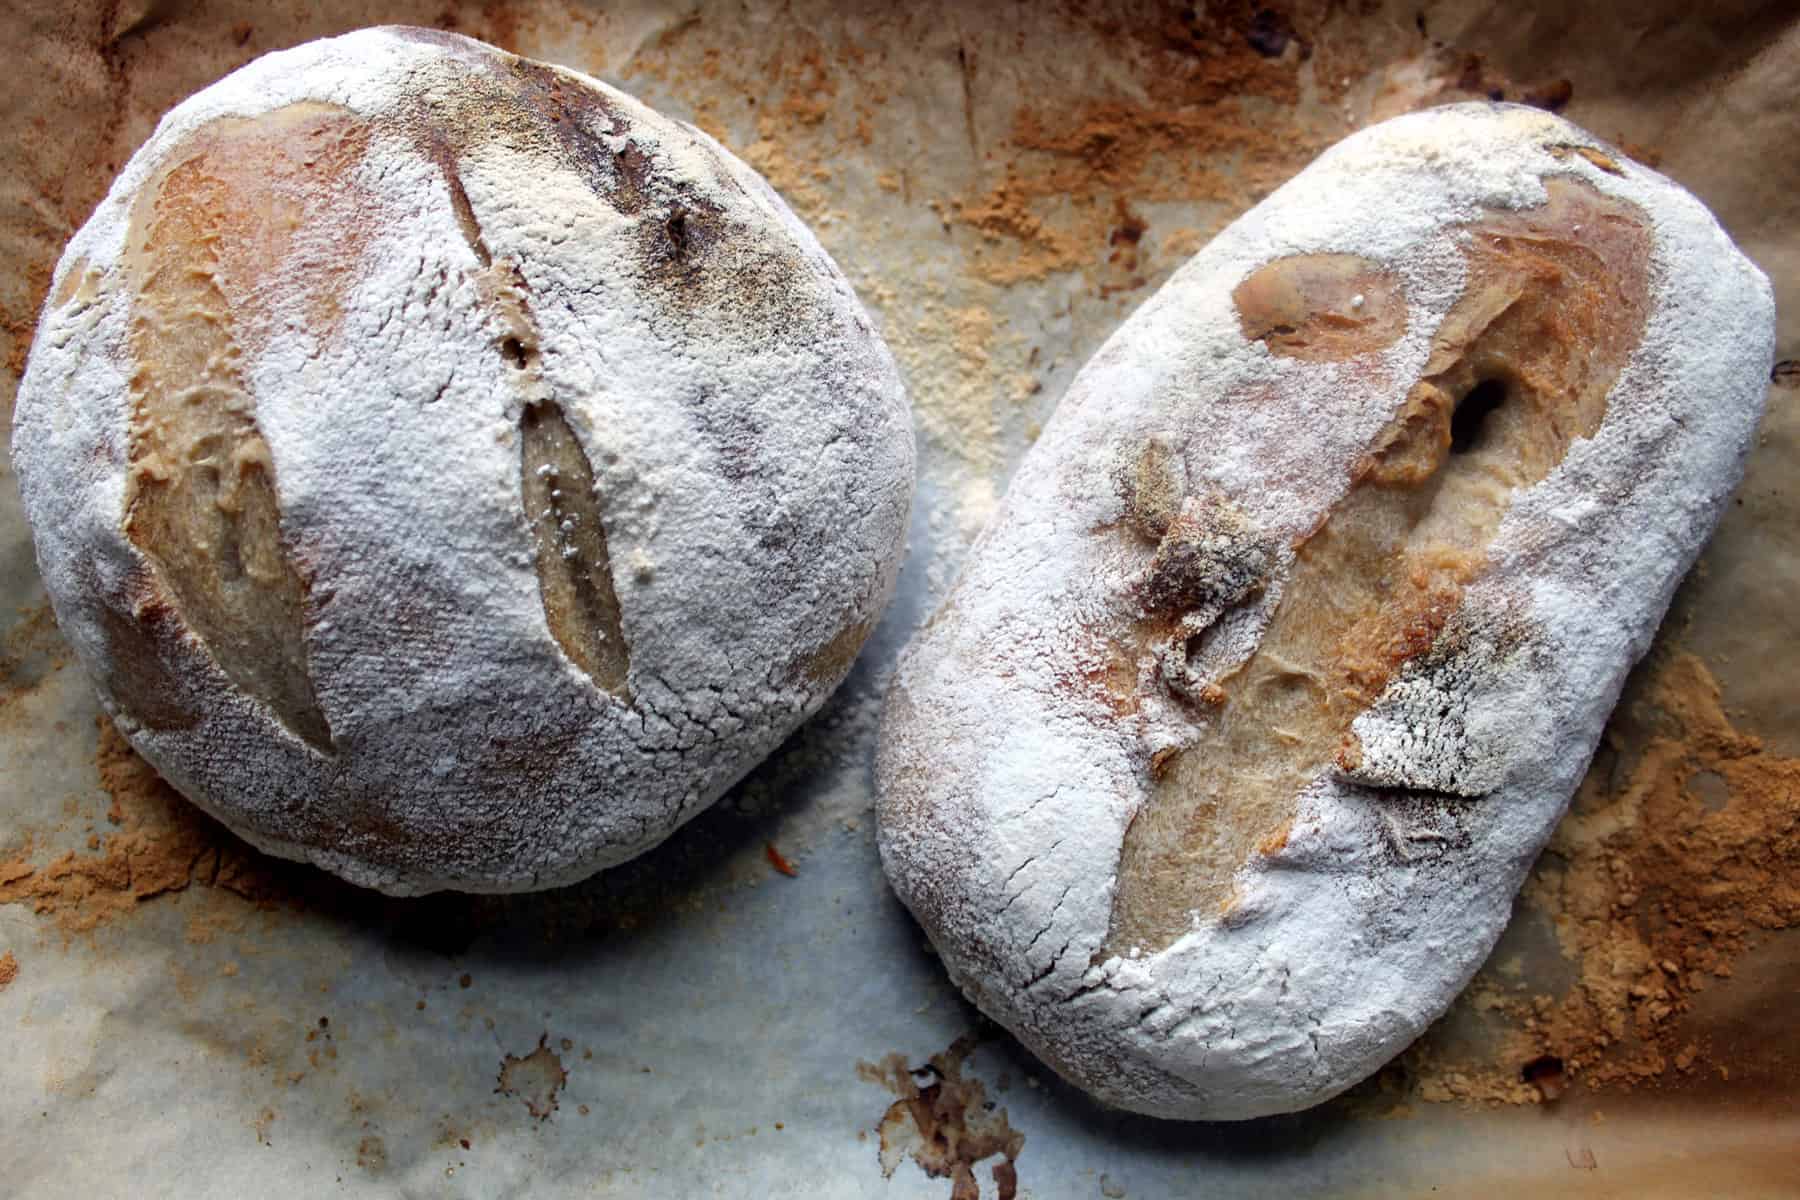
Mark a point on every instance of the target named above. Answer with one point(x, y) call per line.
point(1003, 183)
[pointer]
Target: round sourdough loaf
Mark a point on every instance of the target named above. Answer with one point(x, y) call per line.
point(451, 471)
point(1215, 776)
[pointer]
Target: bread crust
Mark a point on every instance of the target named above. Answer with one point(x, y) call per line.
point(452, 472)
point(1107, 619)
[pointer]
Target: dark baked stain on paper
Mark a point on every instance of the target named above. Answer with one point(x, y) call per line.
point(371, 1154)
point(534, 1080)
point(945, 1123)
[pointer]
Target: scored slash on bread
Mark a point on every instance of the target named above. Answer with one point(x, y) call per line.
point(1216, 775)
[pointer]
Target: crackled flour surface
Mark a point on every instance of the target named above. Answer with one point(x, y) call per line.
point(1680, 852)
point(1025, 176)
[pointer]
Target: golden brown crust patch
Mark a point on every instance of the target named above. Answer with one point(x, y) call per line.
point(831, 662)
point(1520, 368)
point(250, 226)
point(76, 281)
point(1321, 307)
point(1604, 161)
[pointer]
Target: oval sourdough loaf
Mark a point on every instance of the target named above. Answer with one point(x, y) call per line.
point(451, 471)
point(1215, 776)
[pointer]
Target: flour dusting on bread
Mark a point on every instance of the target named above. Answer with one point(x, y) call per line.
point(452, 471)
point(1215, 777)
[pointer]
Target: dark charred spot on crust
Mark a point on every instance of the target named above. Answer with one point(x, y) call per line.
point(580, 119)
point(674, 248)
point(443, 156)
point(634, 177)
point(1471, 413)
point(1210, 558)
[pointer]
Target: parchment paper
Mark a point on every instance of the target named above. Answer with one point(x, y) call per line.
point(1003, 184)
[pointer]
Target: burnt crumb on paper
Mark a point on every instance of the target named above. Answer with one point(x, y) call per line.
point(534, 1080)
point(155, 844)
point(1270, 32)
point(945, 1123)
point(778, 860)
point(371, 1154)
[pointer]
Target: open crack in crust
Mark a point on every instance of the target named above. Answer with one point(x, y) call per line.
point(560, 496)
point(242, 202)
point(246, 202)
point(1519, 369)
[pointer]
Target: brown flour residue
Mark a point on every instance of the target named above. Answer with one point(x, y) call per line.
point(159, 844)
point(1211, 117)
point(944, 1122)
point(371, 1154)
point(1048, 172)
point(966, 375)
point(535, 1079)
point(790, 101)
point(9, 968)
point(1681, 850)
